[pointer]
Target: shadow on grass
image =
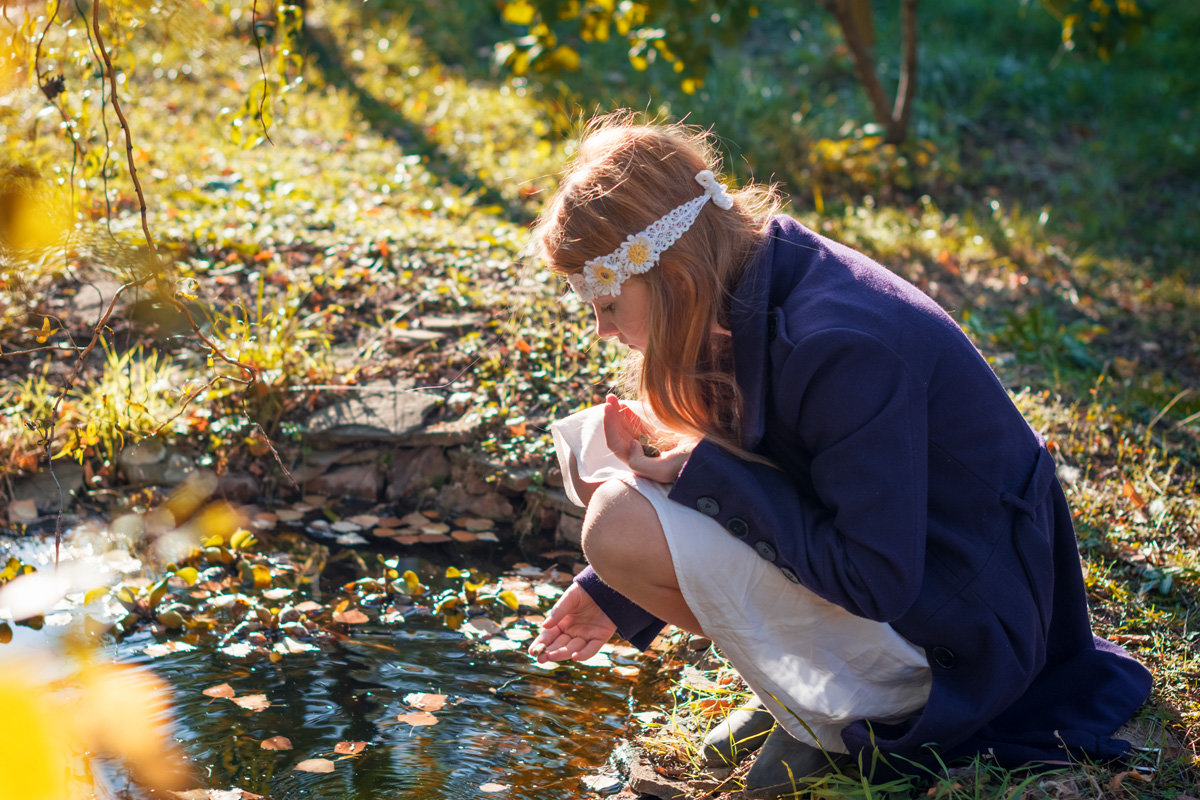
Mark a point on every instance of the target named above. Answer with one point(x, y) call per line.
point(385, 120)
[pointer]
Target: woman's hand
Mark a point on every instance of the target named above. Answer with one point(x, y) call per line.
point(576, 629)
point(624, 431)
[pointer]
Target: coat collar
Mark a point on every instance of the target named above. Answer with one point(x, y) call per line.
point(766, 283)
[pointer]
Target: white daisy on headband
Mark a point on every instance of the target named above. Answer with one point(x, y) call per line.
point(640, 251)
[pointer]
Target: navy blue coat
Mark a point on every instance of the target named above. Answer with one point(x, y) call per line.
point(910, 490)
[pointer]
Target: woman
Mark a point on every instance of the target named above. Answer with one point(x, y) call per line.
point(842, 430)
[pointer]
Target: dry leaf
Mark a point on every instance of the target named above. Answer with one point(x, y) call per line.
point(351, 616)
point(416, 718)
point(349, 748)
point(276, 743)
point(223, 690)
point(1114, 783)
point(309, 606)
point(315, 765)
point(166, 648)
point(494, 787)
point(425, 701)
point(253, 702)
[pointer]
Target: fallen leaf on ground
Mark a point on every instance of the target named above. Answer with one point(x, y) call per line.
point(309, 606)
point(349, 748)
point(416, 718)
point(315, 765)
point(276, 743)
point(222, 690)
point(494, 787)
point(253, 702)
point(351, 616)
point(426, 701)
point(1114, 783)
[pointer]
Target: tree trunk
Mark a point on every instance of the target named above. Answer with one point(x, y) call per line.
point(858, 31)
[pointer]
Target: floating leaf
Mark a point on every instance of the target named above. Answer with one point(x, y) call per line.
point(276, 743)
point(425, 701)
point(315, 765)
point(509, 599)
point(166, 648)
point(494, 787)
point(351, 616)
point(220, 690)
point(253, 702)
point(416, 718)
point(349, 748)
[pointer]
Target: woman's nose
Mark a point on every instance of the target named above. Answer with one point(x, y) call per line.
point(605, 329)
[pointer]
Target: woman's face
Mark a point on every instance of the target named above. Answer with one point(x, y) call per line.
point(625, 316)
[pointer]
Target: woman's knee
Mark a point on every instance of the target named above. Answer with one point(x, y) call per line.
point(618, 523)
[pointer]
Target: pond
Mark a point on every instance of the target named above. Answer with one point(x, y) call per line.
point(393, 706)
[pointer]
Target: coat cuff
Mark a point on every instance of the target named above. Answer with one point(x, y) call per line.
point(636, 625)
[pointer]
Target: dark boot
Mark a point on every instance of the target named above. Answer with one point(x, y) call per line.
point(782, 761)
point(740, 733)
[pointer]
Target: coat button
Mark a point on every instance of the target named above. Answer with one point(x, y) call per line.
point(944, 657)
point(738, 527)
point(708, 506)
point(772, 327)
point(765, 549)
point(791, 576)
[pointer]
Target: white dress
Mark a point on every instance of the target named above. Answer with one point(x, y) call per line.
point(815, 666)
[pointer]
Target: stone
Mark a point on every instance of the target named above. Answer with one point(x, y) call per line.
point(415, 469)
point(378, 411)
point(41, 490)
point(447, 433)
point(151, 462)
point(569, 529)
point(454, 499)
point(644, 779)
point(238, 487)
point(360, 480)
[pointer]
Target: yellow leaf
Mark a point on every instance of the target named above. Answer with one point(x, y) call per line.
point(518, 12)
point(188, 575)
point(45, 332)
point(509, 599)
point(413, 583)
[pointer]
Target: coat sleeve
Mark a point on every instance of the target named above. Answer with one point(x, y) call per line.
point(853, 529)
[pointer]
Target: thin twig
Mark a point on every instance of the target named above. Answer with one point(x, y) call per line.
point(37, 71)
point(262, 66)
point(116, 104)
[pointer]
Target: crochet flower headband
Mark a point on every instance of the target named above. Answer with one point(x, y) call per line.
point(640, 251)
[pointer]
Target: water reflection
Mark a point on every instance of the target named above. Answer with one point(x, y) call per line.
point(506, 720)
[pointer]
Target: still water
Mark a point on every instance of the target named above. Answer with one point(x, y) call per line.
point(515, 728)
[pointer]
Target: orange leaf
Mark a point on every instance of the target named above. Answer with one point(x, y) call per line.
point(1132, 493)
point(425, 702)
point(418, 718)
point(276, 743)
point(223, 690)
point(1114, 783)
point(522, 345)
point(350, 748)
point(253, 702)
point(351, 617)
point(315, 765)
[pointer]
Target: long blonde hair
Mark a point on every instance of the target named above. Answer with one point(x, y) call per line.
point(627, 173)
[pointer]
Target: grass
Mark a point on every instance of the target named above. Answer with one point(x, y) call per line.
point(1046, 201)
